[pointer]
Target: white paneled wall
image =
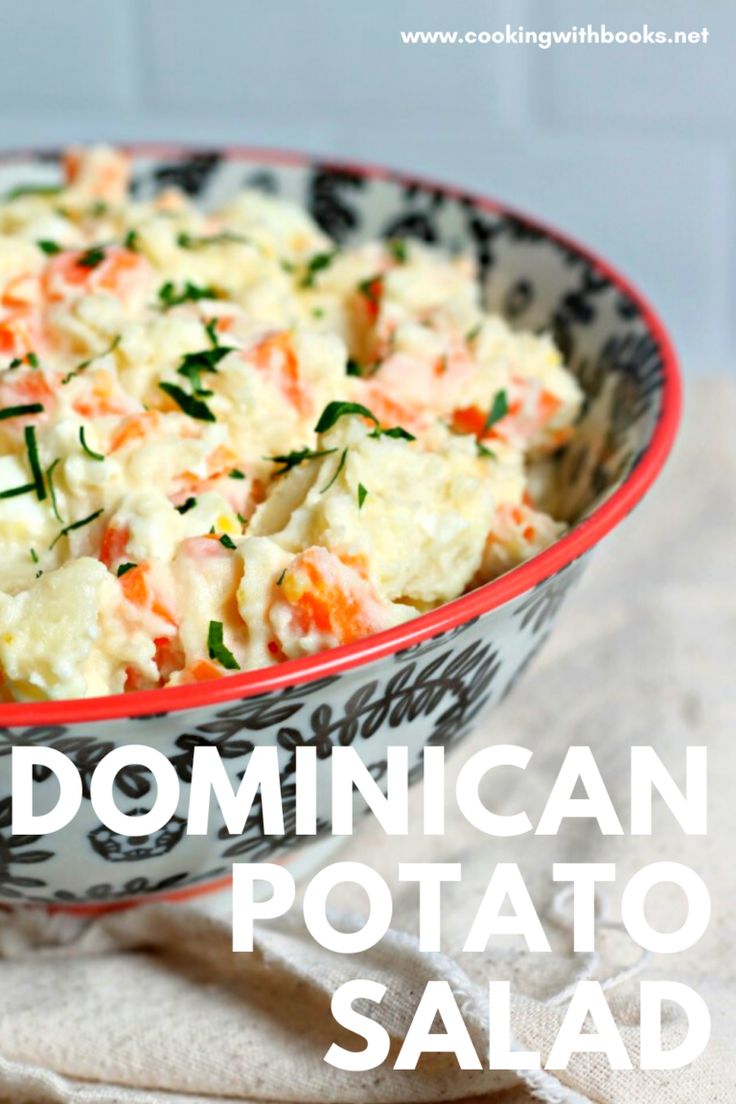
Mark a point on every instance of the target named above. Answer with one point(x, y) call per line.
point(632, 149)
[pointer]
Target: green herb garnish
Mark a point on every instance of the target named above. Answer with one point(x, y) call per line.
point(186, 506)
point(362, 495)
point(35, 465)
point(336, 410)
point(50, 248)
point(170, 297)
point(395, 431)
point(225, 237)
point(76, 525)
point(22, 190)
point(372, 289)
point(352, 368)
point(499, 409)
point(338, 469)
point(236, 473)
point(32, 359)
point(92, 257)
point(398, 250)
point(316, 264)
point(217, 650)
point(50, 481)
point(290, 460)
point(86, 363)
point(87, 449)
point(190, 404)
point(130, 241)
point(281, 577)
point(34, 555)
point(193, 364)
point(471, 335)
point(124, 568)
point(12, 492)
point(227, 542)
point(485, 452)
point(20, 411)
point(210, 328)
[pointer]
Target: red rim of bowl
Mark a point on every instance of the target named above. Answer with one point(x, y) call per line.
point(482, 600)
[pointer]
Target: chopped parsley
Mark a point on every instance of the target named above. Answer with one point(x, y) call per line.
point(19, 411)
point(336, 410)
point(98, 209)
point(34, 555)
point(338, 469)
point(217, 649)
point(316, 264)
point(396, 432)
point(50, 480)
point(186, 506)
point(281, 577)
point(92, 257)
point(499, 409)
point(130, 241)
point(398, 250)
point(87, 449)
point(210, 329)
point(318, 312)
point(290, 460)
point(50, 248)
point(124, 568)
point(236, 473)
point(225, 237)
point(471, 335)
point(372, 289)
point(227, 542)
point(32, 448)
point(86, 363)
point(32, 359)
point(170, 297)
point(193, 364)
point(76, 525)
point(485, 452)
point(362, 495)
point(352, 368)
point(22, 190)
point(190, 404)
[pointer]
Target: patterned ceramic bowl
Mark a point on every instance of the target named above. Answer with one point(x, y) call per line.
point(426, 681)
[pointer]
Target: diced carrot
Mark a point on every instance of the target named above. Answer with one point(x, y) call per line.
point(19, 333)
point(329, 601)
point(135, 585)
point(548, 404)
point(169, 656)
point(275, 354)
point(18, 292)
point(469, 419)
point(135, 427)
point(202, 670)
point(114, 543)
point(371, 293)
point(65, 272)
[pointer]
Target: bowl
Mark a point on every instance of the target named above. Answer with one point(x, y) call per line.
point(423, 682)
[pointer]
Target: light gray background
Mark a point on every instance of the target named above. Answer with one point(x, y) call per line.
point(631, 148)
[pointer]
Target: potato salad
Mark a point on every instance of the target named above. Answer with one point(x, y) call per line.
point(226, 442)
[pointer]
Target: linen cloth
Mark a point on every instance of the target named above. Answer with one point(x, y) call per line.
point(150, 1006)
